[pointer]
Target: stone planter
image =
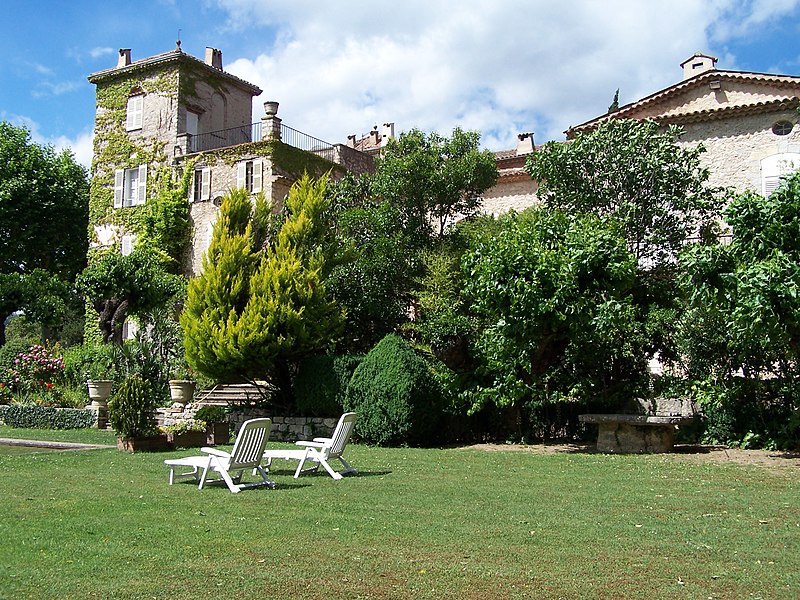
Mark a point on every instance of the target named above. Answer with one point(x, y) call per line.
point(186, 439)
point(152, 443)
point(218, 433)
point(99, 393)
point(181, 390)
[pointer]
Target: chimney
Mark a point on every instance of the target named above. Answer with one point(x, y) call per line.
point(374, 137)
point(388, 133)
point(697, 64)
point(124, 57)
point(351, 141)
point(214, 58)
point(525, 143)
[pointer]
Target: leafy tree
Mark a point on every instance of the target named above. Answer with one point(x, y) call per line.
point(118, 286)
point(260, 305)
point(43, 216)
point(635, 172)
point(434, 179)
point(743, 317)
point(552, 292)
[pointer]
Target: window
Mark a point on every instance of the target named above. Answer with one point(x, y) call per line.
point(248, 175)
point(202, 184)
point(127, 243)
point(775, 168)
point(130, 186)
point(782, 128)
point(134, 114)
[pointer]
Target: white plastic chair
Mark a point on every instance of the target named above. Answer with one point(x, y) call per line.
point(321, 450)
point(246, 454)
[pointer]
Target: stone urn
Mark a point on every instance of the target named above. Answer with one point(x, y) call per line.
point(181, 390)
point(99, 391)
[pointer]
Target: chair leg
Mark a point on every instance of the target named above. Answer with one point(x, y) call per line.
point(301, 463)
point(229, 481)
point(347, 467)
point(329, 469)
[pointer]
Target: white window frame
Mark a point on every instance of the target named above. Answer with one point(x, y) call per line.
point(130, 186)
point(201, 184)
point(775, 168)
point(135, 112)
point(254, 182)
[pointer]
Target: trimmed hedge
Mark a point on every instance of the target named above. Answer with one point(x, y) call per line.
point(46, 417)
point(321, 383)
point(396, 397)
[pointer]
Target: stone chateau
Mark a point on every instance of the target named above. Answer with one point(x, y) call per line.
point(158, 115)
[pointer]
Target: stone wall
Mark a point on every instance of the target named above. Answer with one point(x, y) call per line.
point(284, 429)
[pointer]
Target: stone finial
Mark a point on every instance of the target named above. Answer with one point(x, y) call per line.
point(124, 57)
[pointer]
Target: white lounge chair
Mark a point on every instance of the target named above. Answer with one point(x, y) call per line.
point(246, 454)
point(321, 450)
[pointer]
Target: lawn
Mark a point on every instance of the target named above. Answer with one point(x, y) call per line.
point(441, 523)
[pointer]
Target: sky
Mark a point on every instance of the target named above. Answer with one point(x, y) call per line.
point(340, 67)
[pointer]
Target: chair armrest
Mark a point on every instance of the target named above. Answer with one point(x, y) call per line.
point(324, 440)
point(307, 444)
point(215, 452)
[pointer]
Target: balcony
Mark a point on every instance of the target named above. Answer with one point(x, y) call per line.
point(234, 136)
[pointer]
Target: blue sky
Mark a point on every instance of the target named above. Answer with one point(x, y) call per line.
point(500, 67)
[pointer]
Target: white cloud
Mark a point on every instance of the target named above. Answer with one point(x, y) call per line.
point(499, 67)
point(100, 52)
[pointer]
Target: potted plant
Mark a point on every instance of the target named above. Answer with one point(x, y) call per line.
point(217, 427)
point(131, 412)
point(100, 374)
point(185, 434)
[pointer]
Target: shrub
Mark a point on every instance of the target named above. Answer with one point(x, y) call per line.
point(131, 409)
point(32, 374)
point(395, 395)
point(212, 414)
point(321, 383)
point(45, 417)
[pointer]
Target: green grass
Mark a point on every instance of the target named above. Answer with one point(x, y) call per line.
point(445, 523)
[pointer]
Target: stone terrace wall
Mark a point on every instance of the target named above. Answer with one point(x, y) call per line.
point(284, 429)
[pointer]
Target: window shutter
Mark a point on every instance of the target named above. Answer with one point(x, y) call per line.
point(241, 174)
point(128, 242)
point(256, 175)
point(134, 112)
point(141, 196)
point(205, 188)
point(119, 186)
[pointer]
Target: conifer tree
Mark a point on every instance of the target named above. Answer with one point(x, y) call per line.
point(261, 305)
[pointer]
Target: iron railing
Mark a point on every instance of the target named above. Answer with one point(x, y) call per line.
point(252, 133)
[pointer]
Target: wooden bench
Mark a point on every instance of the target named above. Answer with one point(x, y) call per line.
point(650, 429)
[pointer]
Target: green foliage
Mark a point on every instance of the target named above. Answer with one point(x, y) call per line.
point(636, 173)
point(552, 293)
point(395, 395)
point(131, 409)
point(252, 313)
point(321, 383)
point(33, 374)
point(118, 286)
point(43, 207)
point(212, 414)
point(434, 178)
point(91, 361)
point(46, 417)
point(165, 221)
point(43, 218)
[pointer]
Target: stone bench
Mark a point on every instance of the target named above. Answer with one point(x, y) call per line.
point(651, 430)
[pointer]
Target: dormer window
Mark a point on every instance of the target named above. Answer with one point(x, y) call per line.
point(782, 128)
point(134, 112)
